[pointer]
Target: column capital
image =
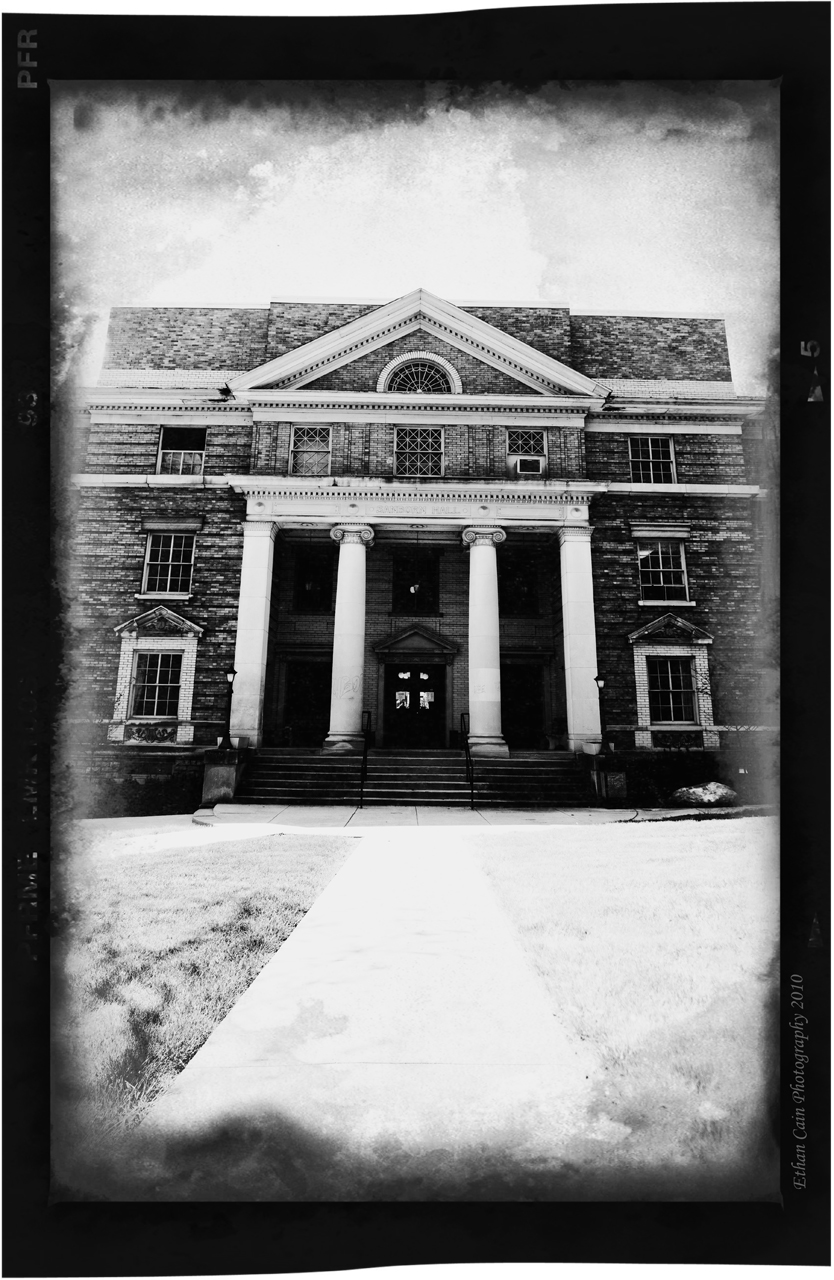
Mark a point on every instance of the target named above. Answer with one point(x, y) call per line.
point(482, 536)
point(260, 528)
point(574, 533)
point(361, 533)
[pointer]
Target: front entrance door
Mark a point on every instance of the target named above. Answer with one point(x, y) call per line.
point(307, 704)
point(522, 706)
point(415, 705)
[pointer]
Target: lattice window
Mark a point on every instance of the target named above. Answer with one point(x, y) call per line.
point(671, 690)
point(652, 460)
point(169, 562)
point(182, 451)
point(420, 377)
point(419, 451)
point(525, 442)
point(156, 690)
point(662, 570)
point(310, 454)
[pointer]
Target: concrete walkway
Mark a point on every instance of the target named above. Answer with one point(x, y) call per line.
point(397, 1046)
point(320, 816)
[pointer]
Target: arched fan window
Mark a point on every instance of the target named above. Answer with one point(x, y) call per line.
point(420, 377)
point(420, 373)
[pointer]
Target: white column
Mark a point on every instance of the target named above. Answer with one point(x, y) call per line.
point(253, 630)
point(485, 737)
point(580, 637)
point(347, 691)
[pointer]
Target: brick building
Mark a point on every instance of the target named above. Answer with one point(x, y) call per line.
point(413, 511)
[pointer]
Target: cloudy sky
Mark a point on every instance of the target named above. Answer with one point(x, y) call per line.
point(655, 198)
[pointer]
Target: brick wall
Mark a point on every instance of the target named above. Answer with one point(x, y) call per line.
point(649, 347)
point(292, 324)
point(546, 329)
point(186, 338)
point(476, 377)
point(107, 563)
point(133, 446)
point(699, 459)
point(722, 556)
point(243, 338)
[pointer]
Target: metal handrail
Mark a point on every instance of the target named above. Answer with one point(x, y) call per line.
point(366, 734)
point(470, 764)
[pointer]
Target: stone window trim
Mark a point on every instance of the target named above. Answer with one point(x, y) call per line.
point(428, 356)
point(652, 459)
point(170, 634)
point(697, 652)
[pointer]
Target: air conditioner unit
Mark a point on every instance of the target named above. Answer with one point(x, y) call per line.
point(529, 466)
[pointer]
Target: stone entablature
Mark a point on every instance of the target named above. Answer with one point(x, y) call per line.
point(555, 503)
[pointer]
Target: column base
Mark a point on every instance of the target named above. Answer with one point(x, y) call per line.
point(488, 745)
point(344, 744)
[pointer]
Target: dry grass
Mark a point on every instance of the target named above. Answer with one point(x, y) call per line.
point(155, 945)
point(656, 943)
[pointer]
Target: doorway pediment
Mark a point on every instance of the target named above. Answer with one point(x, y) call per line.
point(418, 642)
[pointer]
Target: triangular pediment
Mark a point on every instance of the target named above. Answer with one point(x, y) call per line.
point(420, 314)
point(160, 621)
point(671, 627)
point(413, 640)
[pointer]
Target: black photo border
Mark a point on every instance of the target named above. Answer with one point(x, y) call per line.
point(784, 42)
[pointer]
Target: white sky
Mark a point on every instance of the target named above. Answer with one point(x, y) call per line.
point(650, 198)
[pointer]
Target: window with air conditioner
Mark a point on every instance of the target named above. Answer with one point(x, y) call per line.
point(526, 454)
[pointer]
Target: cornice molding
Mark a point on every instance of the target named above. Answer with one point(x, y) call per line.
point(450, 494)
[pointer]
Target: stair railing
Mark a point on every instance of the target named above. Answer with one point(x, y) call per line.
point(363, 773)
point(470, 764)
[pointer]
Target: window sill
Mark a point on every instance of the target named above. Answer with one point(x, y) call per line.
point(163, 595)
point(685, 726)
point(668, 604)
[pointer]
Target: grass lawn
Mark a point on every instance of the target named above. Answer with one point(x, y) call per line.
point(155, 944)
point(657, 945)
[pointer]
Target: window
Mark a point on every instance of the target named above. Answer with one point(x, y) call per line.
point(420, 377)
point(416, 582)
point(156, 690)
point(418, 451)
point(182, 451)
point(671, 690)
point(518, 584)
point(313, 586)
point(310, 452)
point(168, 563)
point(652, 460)
point(525, 442)
point(662, 571)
